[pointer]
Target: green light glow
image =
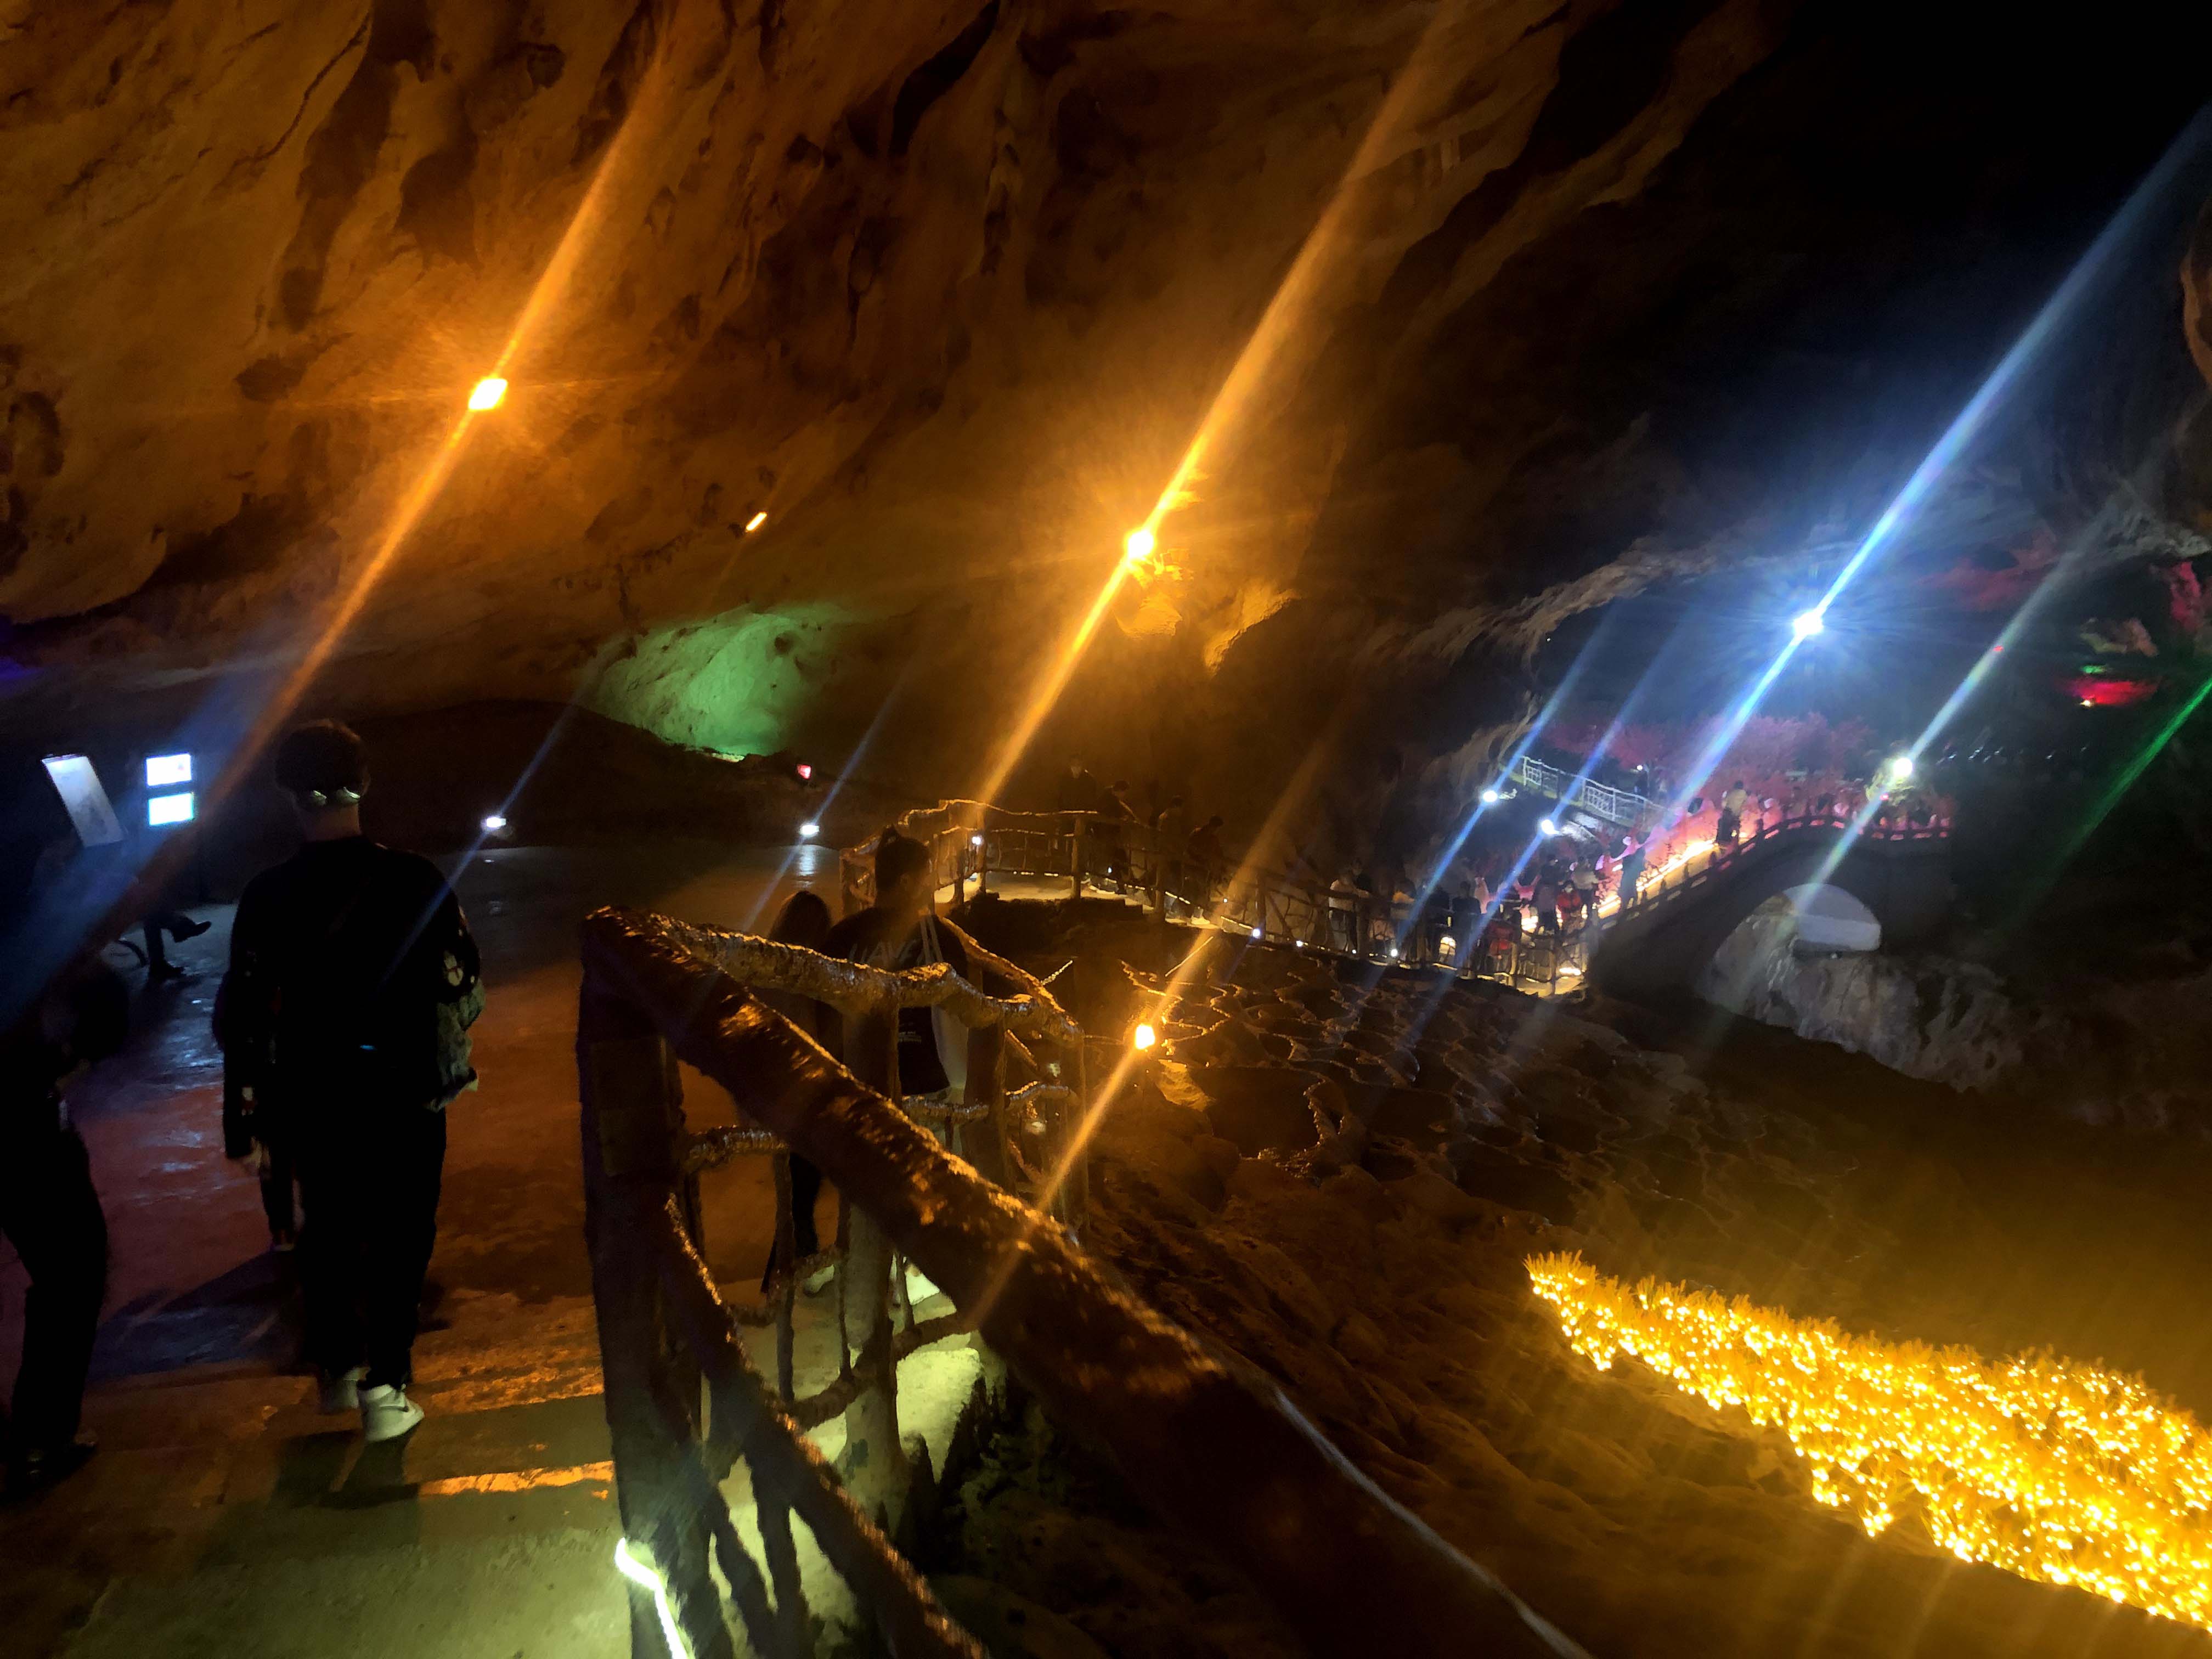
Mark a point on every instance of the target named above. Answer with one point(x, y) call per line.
point(738, 683)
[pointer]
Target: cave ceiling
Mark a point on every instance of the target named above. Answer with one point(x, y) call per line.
point(1522, 308)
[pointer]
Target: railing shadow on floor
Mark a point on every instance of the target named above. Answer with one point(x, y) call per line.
point(1218, 1453)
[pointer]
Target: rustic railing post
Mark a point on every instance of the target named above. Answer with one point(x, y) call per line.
point(1075, 850)
point(874, 1460)
point(986, 1086)
point(631, 1118)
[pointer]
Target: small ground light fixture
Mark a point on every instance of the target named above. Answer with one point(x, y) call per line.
point(1143, 1038)
point(805, 770)
point(1490, 797)
point(755, 522)
point(487, 392)
point(1900, 768)
point(1809, 622)
point(975, 840)
point(1138, 544)
point(1256, 933)
point(1548, 827)
point(495, 823)
point(808, 830)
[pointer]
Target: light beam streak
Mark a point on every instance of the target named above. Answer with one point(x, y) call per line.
point(591, 212)
point(1964, 429)
point(1240, 391)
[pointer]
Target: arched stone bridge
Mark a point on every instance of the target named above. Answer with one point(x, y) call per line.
point(1902, 878)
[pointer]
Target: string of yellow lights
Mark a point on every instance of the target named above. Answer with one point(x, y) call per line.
point(2058, 1471)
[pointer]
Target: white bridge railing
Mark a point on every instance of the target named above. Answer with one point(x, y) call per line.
point(1621, 806)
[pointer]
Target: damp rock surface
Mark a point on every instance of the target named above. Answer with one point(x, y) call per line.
point(1366, 1255)
point(843, 343)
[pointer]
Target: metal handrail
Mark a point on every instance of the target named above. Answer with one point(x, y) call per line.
point(1621, 806)
point(1216, 1451)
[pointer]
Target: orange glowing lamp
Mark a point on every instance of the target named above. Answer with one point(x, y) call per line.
point(487, 394)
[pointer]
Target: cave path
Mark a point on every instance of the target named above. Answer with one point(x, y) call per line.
point(223, 1513)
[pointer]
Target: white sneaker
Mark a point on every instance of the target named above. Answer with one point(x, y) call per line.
point(387, 1412)
point(341, 1392)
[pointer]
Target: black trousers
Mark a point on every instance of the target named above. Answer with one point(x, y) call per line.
point(51, 1215)
point(276, 1179)
point(369, 1190)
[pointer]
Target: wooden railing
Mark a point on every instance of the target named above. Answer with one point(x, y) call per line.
point(1218, 1452)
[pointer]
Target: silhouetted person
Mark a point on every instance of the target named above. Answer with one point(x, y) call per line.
point(1078, 790)
point(1111, 828)
point(1170, 845)
point(1631, 871)
point(1206, 859)
point(898, 931)
point(353, 981)
point(51, 1214)
point(1731, 817)
point(804, 921)
point(1547, 899)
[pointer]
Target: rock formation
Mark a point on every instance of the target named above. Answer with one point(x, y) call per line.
point(1488, 311)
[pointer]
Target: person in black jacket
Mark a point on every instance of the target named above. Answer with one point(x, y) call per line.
point(51, 1215)
point(898, 931)
point(344, 1024)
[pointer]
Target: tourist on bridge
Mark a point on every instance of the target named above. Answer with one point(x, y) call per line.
point(1731, 827)
point(1631, 871)
point(899, 931)
point(1171, 846)
point(1208, 860)
point(1111, 828)
point(1078, 790)
point(344, 1031)
point(1584, 882)
point(1548, 898)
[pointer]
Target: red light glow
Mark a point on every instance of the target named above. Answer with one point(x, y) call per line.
point(2099, 691)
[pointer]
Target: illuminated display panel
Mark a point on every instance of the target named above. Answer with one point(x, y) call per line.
point(163, 770)
point(91, 814)
point(170, 809)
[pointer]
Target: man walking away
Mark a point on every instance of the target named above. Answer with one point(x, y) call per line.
point(353, 981)
point(898, 931)
point(50, 1212)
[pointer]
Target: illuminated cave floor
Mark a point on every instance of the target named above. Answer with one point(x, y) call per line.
point(223, 1514)
point(1380, 1281)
